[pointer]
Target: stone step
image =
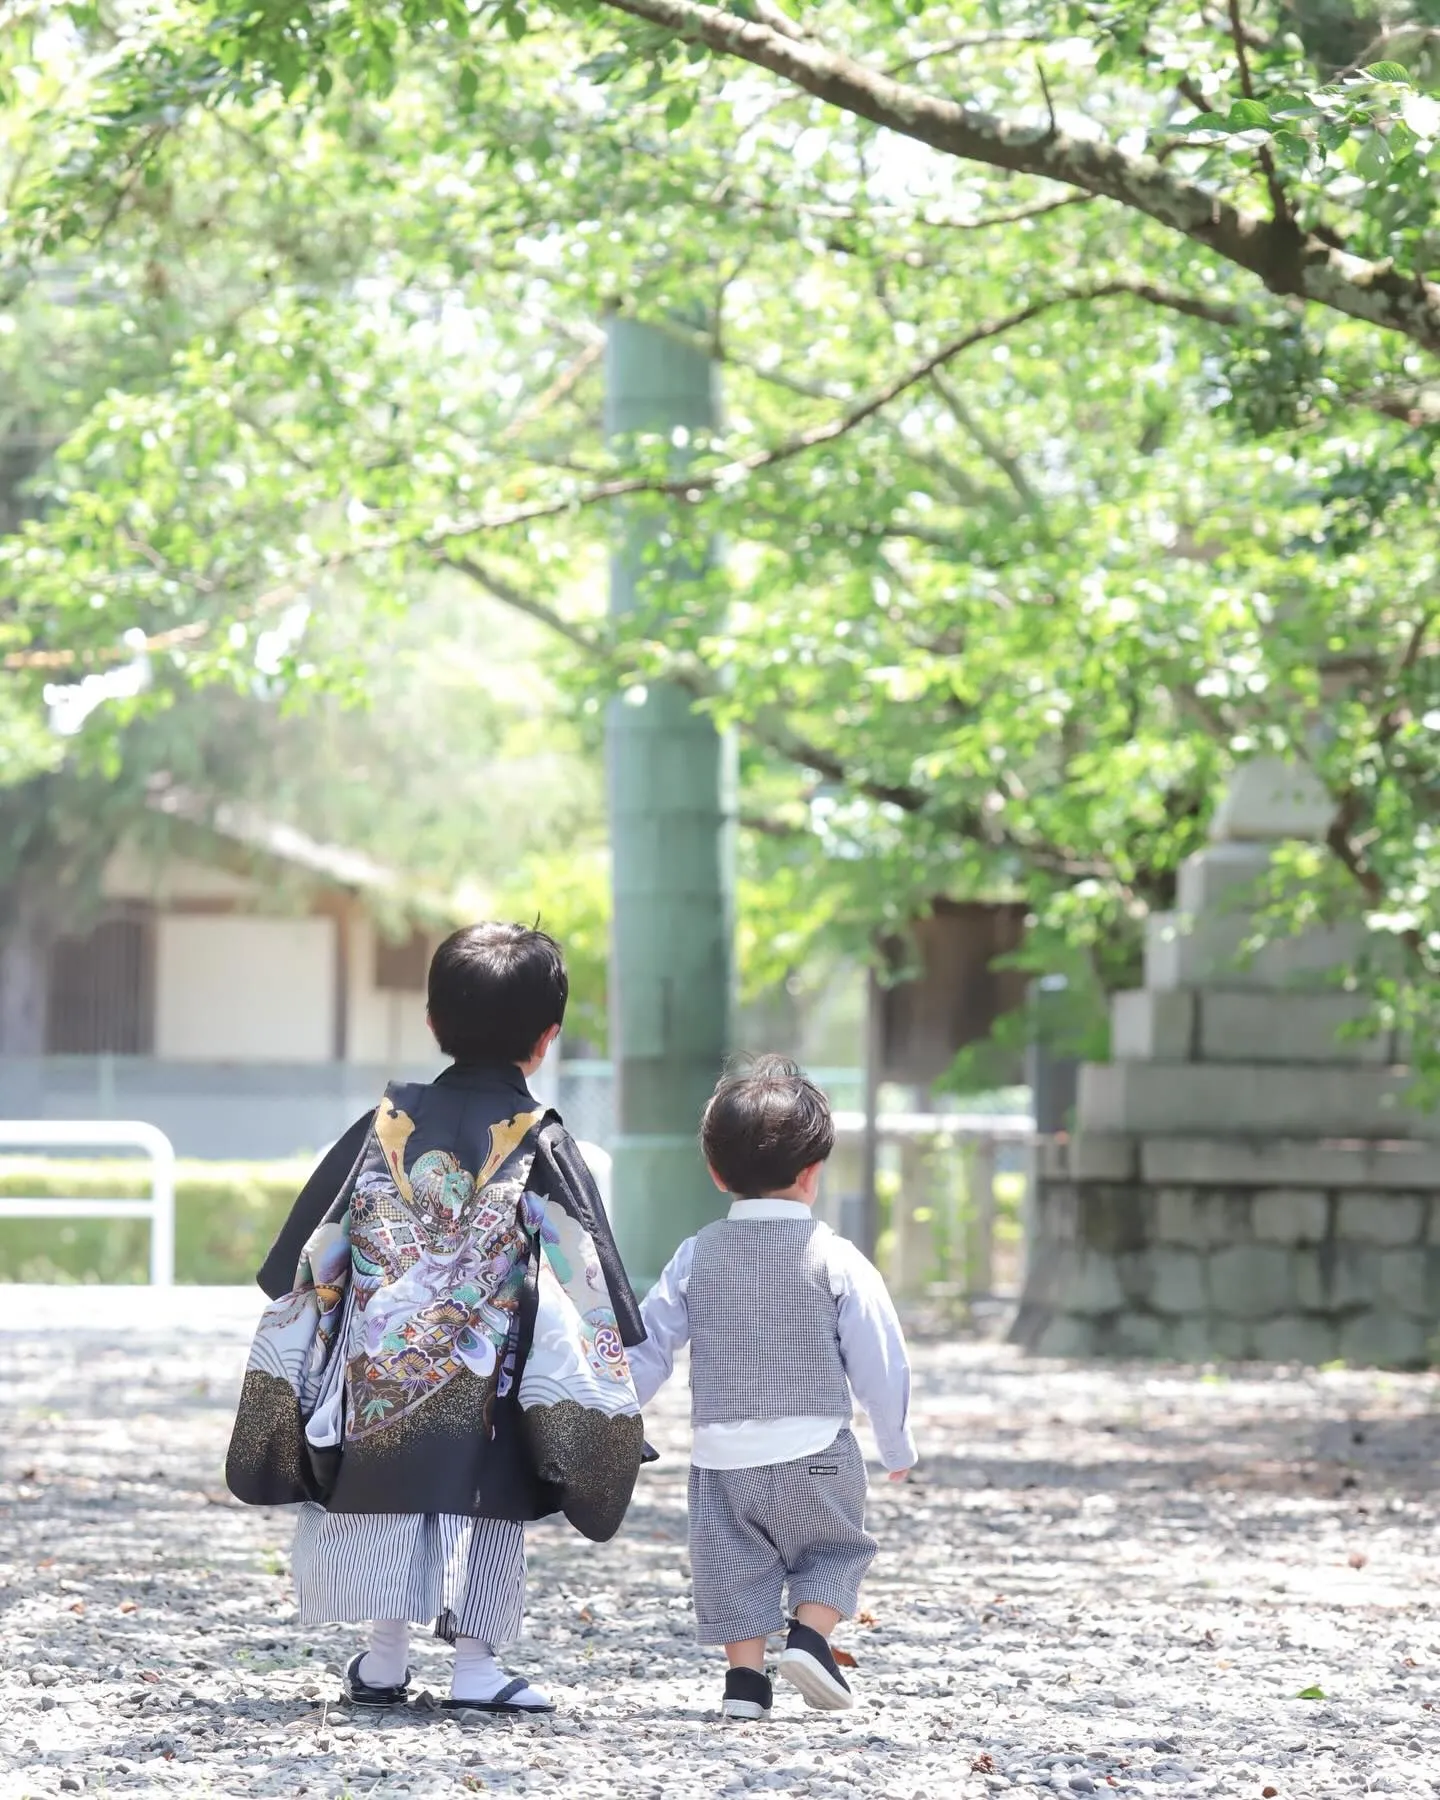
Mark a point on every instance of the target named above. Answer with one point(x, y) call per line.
point(1248, 1099)
point(1190, 1025)
point(1207, 951)
point(1268, 1162)
point(1365, 1165)
point(1216, 879)
point(1267, 801)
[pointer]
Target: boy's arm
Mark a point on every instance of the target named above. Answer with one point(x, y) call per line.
point(665, 1314)
point(872, 1347)
point(277, 1273)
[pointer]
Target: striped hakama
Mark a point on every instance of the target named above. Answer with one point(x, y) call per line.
point(468, 1575)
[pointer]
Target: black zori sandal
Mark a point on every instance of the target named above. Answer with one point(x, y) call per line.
point(503, 1702)
point(748, 1694)
point(360, 1693)
point(808, 1663)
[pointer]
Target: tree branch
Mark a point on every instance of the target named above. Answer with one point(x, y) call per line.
point(1007, 464)
point(777, 377)
point(440, 543)
point(771, 728)
point(564, 382)
point(1341, 838)
point(509, 595)
point(692, 485)
point(768, 827)
point(779, 20)
point(1286, 259)
point(1280, 206)
point(1018, 216)
point(971, 40)
point(964, 488)
point(1417, 405)
point(970, 822)
point(1379, 48)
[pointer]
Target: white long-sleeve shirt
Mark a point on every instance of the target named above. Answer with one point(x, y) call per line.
point(872, 1349)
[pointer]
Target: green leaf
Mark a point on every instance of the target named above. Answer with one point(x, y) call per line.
point(1311, 1693)
point(1374, 160)
point(1248, 115)
point(1401, 140)
point(1388, 71)
point(1059, 590)
point(604, 67)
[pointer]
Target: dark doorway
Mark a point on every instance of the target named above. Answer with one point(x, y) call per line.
point(102, 989)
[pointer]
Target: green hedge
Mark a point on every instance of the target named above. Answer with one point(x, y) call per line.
point(226, 1218)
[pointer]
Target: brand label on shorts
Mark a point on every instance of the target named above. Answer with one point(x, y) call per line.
point(824, 1469)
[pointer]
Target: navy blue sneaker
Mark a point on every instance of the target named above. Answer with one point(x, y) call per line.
point(808, 1664)
point(748, 1694)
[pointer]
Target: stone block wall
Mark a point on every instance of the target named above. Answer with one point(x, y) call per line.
point(1248, 1175)
point(1234, 1269)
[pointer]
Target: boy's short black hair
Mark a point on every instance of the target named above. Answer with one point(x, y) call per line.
point(494, 991)
point(765, 1122)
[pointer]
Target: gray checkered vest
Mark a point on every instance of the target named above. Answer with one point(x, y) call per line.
point(763, 1335)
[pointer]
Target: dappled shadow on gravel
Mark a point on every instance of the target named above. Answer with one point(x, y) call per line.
point(1325, 1461)
point(1117, 1576)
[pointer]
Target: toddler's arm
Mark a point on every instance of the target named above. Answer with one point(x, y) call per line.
point(665, 1315)
point(872, 1347)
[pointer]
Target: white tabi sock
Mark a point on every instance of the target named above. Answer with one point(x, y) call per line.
point(479, 1677)
point(387, 1662)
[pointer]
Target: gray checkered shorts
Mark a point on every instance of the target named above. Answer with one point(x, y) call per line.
point(752, 1531)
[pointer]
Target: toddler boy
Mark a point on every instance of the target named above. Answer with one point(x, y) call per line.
point(785, 1321)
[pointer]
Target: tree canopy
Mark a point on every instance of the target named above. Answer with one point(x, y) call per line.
point(1080, 403)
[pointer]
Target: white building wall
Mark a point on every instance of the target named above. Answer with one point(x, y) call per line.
point(387, 1026)
point(245, 988)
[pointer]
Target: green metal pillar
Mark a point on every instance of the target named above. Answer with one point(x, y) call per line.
point(672, 821)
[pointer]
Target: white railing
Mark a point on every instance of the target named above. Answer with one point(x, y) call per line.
point(103, 1134)
point(973, 1136)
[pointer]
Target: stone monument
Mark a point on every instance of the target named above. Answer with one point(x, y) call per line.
point(1243, 1179)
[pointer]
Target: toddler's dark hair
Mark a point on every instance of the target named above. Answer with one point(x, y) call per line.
point(494, 991)
point(765, 1122)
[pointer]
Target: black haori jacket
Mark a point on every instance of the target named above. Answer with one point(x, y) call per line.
point(450, 1330)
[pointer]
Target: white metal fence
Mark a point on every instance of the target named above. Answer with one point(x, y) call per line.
point(940, 1169)
point(104, 1134)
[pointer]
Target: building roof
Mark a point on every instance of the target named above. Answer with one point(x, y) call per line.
point(332, 864)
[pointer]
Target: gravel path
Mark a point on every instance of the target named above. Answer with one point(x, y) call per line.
point(1109, 1580)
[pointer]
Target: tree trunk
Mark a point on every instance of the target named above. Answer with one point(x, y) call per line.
point(25, 939)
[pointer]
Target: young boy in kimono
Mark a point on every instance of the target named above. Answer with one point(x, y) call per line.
point(444, 1356)
point(785, 1322)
